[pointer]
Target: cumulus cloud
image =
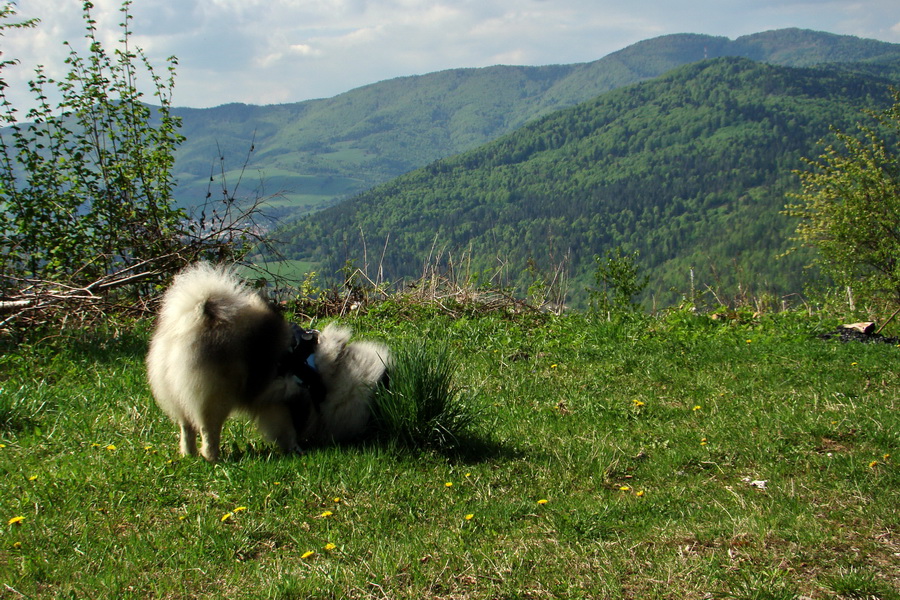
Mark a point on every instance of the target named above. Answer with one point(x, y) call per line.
point(268, 51)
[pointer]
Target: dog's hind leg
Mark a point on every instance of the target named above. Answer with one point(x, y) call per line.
point(188, 440)
point(281, 410)
point(211, 437)
point(275, 424)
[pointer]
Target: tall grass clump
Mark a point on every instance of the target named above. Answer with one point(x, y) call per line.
point(420, 406)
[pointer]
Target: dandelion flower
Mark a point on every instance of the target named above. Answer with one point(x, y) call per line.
point(470, 516)
point(542, 501)
point(886, 457)
point(624, 488)
point(17, 545)
point(2, 445)
point(15, 520)
point(240, 508)
point(111, 447)
point(749, 341)
point(32, 478)
point(873, 464)
point(853, 364)
point(307, 554)
point(276, 483)
point(637, 403)
point(553, 366)
point(329, 546)
point(325, 514)
point(703, 442)
point(639, 493)
point(697, 407)
point(226, 516)
point(449, 484)
point(337, 499)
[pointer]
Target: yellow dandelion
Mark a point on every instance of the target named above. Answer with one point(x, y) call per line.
point(32, 478)
point(182, 517)
point(749, 341)
point(637, 403)
point(239, 508)
point(2, 445)
point(449, 484)
point(95, 445)
point(15, 520)
point(886, 457)
point(703, 442)
point(307, 554)
point(329, 546)
point(148, 447)
point(337, 499)
point(697, 407)
point(553, 366)
point(542, 501)
point(624, 488)
point(226, 516)
point(468, 474)
point(873, 464)
point(111, 447)
point(17, 545)
point(639, 493)
point(469, 517)
point(325, 514)
point(276, 483)
point(853, 364)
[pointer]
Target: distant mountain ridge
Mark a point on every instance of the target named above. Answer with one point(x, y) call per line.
point(690, 169)
point(320, 151)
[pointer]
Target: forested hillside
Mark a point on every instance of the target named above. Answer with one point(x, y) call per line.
point(690, 170)
point(320, 151)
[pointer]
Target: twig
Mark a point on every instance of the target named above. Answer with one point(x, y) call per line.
point(891, 318)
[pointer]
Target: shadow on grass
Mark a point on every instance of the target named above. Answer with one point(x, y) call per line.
point(468, 449)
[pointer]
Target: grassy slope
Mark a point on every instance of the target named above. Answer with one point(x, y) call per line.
point(639, 436)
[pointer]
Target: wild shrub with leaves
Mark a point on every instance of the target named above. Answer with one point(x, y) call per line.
point(86, 185)
point(849, 207)
point(617, 283)
point(87, 218)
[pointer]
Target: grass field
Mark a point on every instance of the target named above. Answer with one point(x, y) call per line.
point(667, 457)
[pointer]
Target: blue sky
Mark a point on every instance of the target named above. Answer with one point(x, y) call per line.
point(276, 51)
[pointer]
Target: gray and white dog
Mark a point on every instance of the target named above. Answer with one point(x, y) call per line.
point(219, 348)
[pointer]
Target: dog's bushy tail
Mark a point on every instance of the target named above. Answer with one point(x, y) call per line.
point(203, 296)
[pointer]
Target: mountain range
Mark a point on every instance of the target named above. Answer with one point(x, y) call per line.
point(678, 148)
point(317, 152)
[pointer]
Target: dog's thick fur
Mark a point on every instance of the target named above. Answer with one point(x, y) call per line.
point(217, 350)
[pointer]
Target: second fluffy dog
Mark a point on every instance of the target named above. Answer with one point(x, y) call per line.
point(219, 348)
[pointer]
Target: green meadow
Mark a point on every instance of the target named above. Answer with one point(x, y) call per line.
point(673, 456)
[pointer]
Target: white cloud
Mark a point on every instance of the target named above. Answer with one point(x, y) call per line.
point(264, 51)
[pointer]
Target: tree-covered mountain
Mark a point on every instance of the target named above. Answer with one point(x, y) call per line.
point(319, 151)
point(689, 169)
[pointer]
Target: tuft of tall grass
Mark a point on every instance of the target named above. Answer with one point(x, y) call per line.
point(420, 406)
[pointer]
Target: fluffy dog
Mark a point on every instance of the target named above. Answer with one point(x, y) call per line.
point(219, 348)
